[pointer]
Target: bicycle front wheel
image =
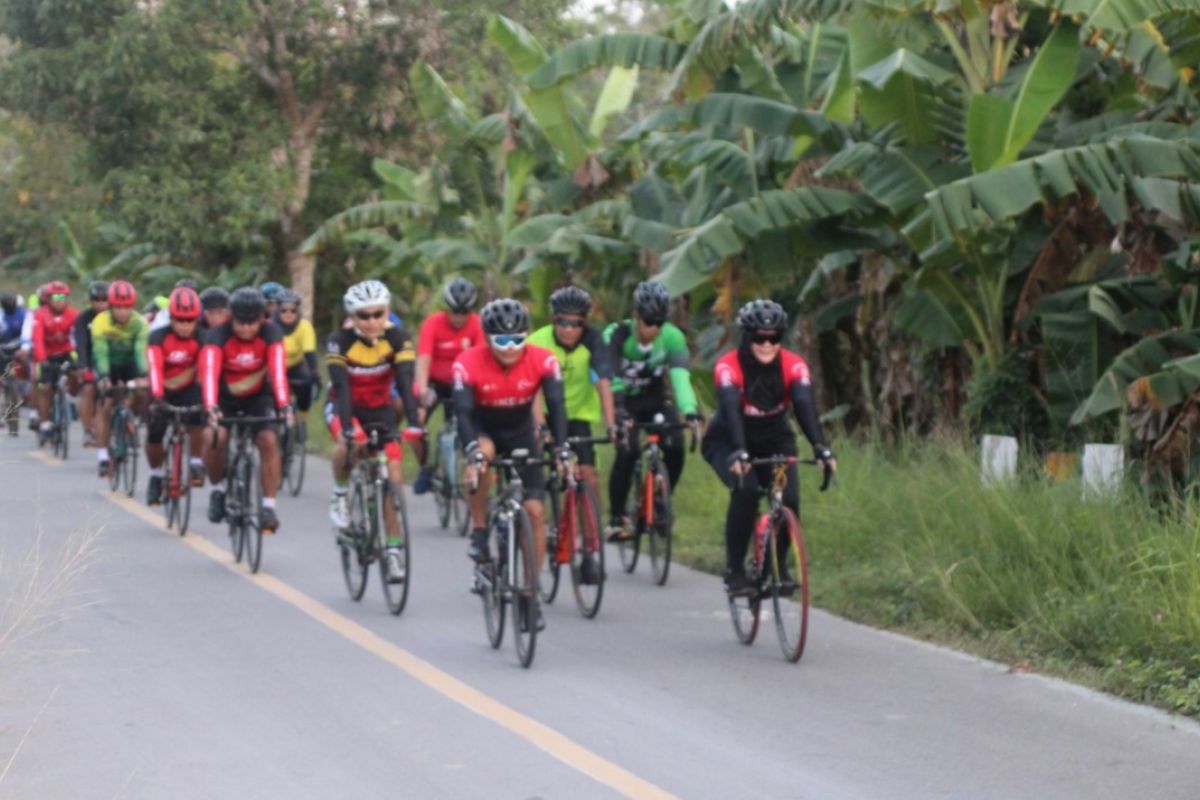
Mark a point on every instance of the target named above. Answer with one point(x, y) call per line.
point(356, 546)
point(62, 428)
point(296, 456)
point(251, 487)
point(184, 472)
point(788, 584)
point(170, 489)
point(116, 453)
point(395, 590)
point(129, 464)
point(556, 525)
point(587, 546)
point(629, 549)
point(526, 609)
point(658, 533)
point(745, 610)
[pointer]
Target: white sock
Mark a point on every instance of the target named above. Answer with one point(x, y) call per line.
point(102, 454)
point(268, 502)
point(156, 472)
point(47, 426)
point(340, 491)
point(33, 414)
point(196, 462)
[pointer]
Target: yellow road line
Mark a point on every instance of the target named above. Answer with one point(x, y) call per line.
point(44, 457)
point(551, 741)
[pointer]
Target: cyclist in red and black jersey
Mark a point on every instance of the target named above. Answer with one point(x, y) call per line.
point(494, 389)
point(365, 362)
point(53, 349)
point(443, 337)
point(243, 373)
point(173, 359)
point(756, 384)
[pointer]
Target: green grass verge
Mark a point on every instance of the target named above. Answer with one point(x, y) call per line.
point(1102, 592)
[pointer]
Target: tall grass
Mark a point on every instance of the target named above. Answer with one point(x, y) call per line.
point(1103, 590)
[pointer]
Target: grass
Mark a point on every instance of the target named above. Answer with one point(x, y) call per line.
point(1104, 592)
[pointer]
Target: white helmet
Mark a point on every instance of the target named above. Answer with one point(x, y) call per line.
point(367, 294)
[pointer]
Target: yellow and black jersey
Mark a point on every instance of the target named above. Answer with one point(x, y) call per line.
point(370, 369)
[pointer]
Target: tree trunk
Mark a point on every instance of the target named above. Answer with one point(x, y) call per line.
point(301, 267)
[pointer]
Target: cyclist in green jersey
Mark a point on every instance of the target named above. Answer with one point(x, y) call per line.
point(587, 381)
point(646, 350)
point(119, 338)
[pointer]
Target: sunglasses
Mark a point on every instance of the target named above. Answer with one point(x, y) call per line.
point(508, 341)
point(653, 323)
point(563, 322)
point(286, 310)
point(767, 338)
point(364, 316)
point(60, 297)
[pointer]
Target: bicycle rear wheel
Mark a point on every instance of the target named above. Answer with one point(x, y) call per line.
point(296, 459)
point(356, 557)
point(130, 463)
point(629, 549)
point(658, 534)
point(235, 514)
point(116, 453)
point(556, 526)
point(525, 605)
point(252, 494)
point(788, 584)
point(395, 592)
point(587, 541)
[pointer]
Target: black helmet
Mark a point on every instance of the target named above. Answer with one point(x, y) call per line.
point(98, 290)
point(186, 283)
point(571, 300)
point(651, 301)
point(8, 301)
point(505, 316)
point(460, 295)
point(762, 315)
point(288, 296)
point(247, 304)
point(214, 297)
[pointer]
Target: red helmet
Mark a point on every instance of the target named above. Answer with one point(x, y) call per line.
point(121, 294)
point(185, 303)
point(55, 287)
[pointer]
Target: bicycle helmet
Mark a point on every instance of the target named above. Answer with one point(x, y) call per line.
point(187, 283)
point(367, 294)
point(651, 301)
point(214, 297)
point(8, 302)
point(271, 290)
point(247, 304)
point(505, 316)
point(121, 294)
point(98, 290)
point(289, 296)
point(460, 295)
point(571, 300)
point(185, 303)
point(762, 315)
point(57, 287)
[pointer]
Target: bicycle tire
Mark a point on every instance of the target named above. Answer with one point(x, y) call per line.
point(296, 456)
point(629, 549)
point(443, 490)
point(61, 424)
point(252, 519)
point(791, 613)
point(491, 590)
point(356, 559)
point(130, 462)
point(184, 515)
point(525, 605)
point(658, 535)
point(170, 489)
point(116, 453)
point(588, 537)
point(233, 515)
point(550, 574)
point(395, 593)
point(746, 610)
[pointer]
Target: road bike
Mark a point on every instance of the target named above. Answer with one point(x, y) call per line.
point(364, 542)
point(509, 581)
point(243, 488)
point(446, 482)
point(178, 483)
point(60, 415)
point(574, 532)
point(292, 440)
point(783, 582)
point(124, 444)
point(10, 400)
point(649, 510)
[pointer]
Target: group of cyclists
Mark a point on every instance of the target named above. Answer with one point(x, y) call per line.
point(505, 387)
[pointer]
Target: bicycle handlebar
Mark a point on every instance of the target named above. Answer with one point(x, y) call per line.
point(668, 426)
point(775, 461)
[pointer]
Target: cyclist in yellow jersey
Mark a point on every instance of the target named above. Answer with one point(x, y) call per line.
point(299, 348)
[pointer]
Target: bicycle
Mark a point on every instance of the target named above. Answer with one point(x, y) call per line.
point(365, 541)
point(511, 578)
point(770, 578)
point(177, 488)
point(572, 534)
point(243, 489)
point(446, 482)
point(60, 415)
point(124, 444)
point(292, 440)
point(11, 401)
point(649, 511)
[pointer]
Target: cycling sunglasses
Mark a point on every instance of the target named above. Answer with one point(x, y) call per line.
point(767, 338)
point(653, 323)
point(288, 310)
point(61, 297)
point(563, 322)
point(507, 341)
point(363, 315)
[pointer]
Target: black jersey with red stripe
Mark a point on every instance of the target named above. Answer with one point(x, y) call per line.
point(231, 366)
point(174, 361)
point(371, 367)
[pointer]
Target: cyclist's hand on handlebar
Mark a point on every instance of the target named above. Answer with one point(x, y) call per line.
point(739, 464)
point(476, 464)
point(104, 384)
point(563, 459)
point(828, 462)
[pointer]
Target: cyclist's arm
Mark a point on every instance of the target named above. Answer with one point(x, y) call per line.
point(308, 339)
point(140, 341)
point(154, 362)
point(39, 341)
point(556, 401)
point(82, 341)
point(612, 347)
point(601, 366)
point(729, 400)
point(678, 364)
point(805, 407)
point(210, 374)
point(424, 357)
point(100, 348)
point(277, 365)
point(339, 379)
point(464, 408)
point(404, 374)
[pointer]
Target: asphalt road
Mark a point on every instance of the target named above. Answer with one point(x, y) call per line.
point(165, 671)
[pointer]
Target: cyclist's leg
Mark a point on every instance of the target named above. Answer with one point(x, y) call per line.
point(103, 423)
point(672, 447)
point(619, 480)
point(477, 502)
point(579, 428)
point(215, 452)
point(87, 408)
point(45, 390)
point(300, 381)
point(743, 504)
point(156, 431)
point(384, 420)
point(271, 465)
